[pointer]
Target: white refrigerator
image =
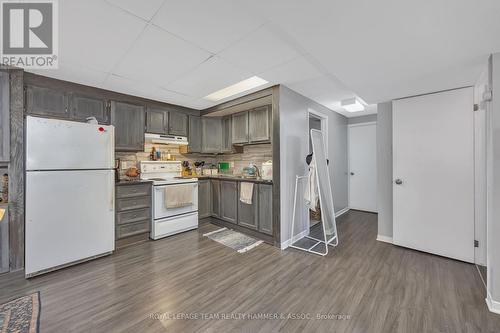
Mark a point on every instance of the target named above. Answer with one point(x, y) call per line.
point(70, 186)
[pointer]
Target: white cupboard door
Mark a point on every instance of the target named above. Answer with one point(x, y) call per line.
point(69, 217)
point(363, 167)
point(433, 173)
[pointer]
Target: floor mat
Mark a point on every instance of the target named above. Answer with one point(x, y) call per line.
point(235, 240)
point(21, 315)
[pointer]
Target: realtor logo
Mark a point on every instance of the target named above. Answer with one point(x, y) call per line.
point(29, 34)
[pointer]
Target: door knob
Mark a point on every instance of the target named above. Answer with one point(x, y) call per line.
point(352, 173)
point(398, 181)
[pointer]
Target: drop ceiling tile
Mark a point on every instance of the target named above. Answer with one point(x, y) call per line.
point(212, 25)
point(94, 33)
point(144, 90)
point(260, 51)
point(322, 89)
point(209, 77)
point(159, 57)
point(74, 73)
point(296, 70)
point(143, 9)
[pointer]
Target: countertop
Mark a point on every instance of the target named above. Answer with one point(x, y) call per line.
point(132, 182)
point(235, 178)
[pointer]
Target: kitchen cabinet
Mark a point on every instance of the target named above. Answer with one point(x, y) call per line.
point(46, 102)
point(194, 137)
point(156, 121)
point(83, 107)
point(248, 214)
point(229, 201)
point(259, 124)
point(133, 209)
point(4, 117)
point(204, 198)
point(4, 240)
point(128, 120)
point(215, 197)
point(211, 129)
point(239, 128)
point(178, 124)
point(227, 140)
point(265, 215)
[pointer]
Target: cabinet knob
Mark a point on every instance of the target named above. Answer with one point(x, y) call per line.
point(398, 181)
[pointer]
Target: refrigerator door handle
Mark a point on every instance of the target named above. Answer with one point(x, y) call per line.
point(112, 196)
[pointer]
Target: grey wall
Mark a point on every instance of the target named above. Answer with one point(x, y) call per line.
point(294, 146)
point(362, 119)
point(493, 176)
point(384, 169)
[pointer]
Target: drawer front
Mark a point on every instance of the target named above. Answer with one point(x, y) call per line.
point(132, 203)
point(131, 229)
point(127, 191)
point(133, 216)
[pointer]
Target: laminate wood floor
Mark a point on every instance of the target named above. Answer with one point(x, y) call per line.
point(371, 286)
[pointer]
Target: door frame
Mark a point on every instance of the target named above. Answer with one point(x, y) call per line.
point(324, 125)
point(369, 123)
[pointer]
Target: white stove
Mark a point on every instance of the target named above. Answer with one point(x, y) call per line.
point(167, 183)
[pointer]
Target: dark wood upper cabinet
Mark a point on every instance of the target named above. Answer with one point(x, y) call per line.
point(48, 102)
point(211, 133)
point(227, 136)
point(4, 117)
point(178, 124)
point(259, 124)
point(83, 107)
point(156, 121)
point(128, 120)
point(239, 128)
point(195, 133)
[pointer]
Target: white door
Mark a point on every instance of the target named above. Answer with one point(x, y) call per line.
point(53, 144)
point(363, 167)
point(69, 217)
point(433, 173)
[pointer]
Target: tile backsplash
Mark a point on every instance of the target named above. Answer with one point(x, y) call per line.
point(256, 154)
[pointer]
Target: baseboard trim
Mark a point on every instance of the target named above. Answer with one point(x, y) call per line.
point(292, 240)
point(342, 211)
point(385, 239)
point(493, 306)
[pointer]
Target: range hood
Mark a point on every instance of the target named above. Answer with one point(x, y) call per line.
point(166, 139)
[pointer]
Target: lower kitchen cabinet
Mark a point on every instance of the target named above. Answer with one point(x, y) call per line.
point(265, 215)
point(204, 199)
point(229, 201)
point(215, 197)
point(224, 201)
point(133, 209)
point(248, 213)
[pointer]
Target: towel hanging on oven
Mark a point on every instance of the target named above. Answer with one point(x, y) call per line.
point(180, 195)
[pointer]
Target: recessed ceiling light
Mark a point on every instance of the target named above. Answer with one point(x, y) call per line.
point(236, 88)
point(352, 105)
